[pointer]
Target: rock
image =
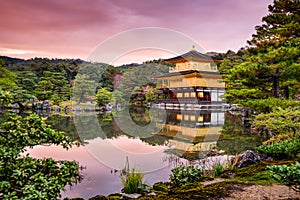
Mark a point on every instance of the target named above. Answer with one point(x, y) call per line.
point(208, 163)
point(130, 196)
point(245, 159)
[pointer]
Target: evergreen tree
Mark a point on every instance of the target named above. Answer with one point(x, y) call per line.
point(270, 66)
point(277, 44)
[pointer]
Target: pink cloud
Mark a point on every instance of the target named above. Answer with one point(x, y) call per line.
point(72, 28)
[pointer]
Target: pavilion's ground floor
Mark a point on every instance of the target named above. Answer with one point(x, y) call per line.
point(185, 98)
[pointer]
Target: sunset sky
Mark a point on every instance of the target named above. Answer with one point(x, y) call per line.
point(73, 28)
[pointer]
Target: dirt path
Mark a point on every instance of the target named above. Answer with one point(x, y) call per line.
point(259, 192)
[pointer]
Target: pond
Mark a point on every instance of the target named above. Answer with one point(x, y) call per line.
point(152, 140)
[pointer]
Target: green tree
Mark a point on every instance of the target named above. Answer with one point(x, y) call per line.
point(137, 95)
point(27, 80)
point(7, 78)
point(84, 87)
point(137, 77)
point(103, 97)
point(270, 66)
point(87, 80)
point(54, 86)
point(107, 79)
point(24, 89)
point(44, 89)
point(151, 96)
point(277, 44)
point(24, 177)
point(20, 85)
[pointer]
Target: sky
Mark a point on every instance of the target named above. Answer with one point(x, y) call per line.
point(73, 28)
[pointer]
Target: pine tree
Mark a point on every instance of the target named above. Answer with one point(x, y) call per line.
point(270, 65)
point(276, 43)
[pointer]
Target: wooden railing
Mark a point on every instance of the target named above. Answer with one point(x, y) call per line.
point(185, 101)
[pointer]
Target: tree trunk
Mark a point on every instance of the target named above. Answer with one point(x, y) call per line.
point(286, 92)
point(21, 106)
point(275, 89)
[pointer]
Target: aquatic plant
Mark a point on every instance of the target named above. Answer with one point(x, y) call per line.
point(186, 174)
point(132, 180)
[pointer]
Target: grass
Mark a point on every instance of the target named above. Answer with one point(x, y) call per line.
point(132, 180)
point(217, 169)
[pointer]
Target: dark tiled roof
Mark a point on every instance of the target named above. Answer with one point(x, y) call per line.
point(193, 54)
point(181, 73)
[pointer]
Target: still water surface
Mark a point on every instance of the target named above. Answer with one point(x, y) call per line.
point(153, 141)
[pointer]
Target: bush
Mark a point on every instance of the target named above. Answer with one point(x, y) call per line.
point(268, 105)
point(186, 174)
point(279, 121)
point(288, 175)
point(280, 150)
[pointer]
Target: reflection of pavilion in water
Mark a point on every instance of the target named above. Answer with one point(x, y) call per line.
point(192, 134)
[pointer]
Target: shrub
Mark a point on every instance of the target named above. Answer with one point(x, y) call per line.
point(24, 177)
point(279, 121)
point(280, 150)
point(186, 174)
point(288, 175)
point(268, 105)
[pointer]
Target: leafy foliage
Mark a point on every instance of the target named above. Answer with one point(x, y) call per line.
point(84, 87)
point(5, 97)
point(186, 174)
point(133, 79)
point(270, 104)
point(24, 177)
point(132, 182)
point(103, 97)
point(109, 77)
point(280, 121)
point(288, 175)
point(53, 84)
point(217, 169)
point(279, 150)
point(270, 66)
point(7, 78)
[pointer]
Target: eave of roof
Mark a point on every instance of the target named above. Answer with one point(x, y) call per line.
point(191, 55)
point(182, 73)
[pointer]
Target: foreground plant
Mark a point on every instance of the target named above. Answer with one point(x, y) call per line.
point(186, 174)
point(279, 150)
point(132, 180)
point(24, 177)
point(288, 175)
point(218, 169)
point(279, 121)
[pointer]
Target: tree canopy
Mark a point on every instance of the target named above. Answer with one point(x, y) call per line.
point(270, 66)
